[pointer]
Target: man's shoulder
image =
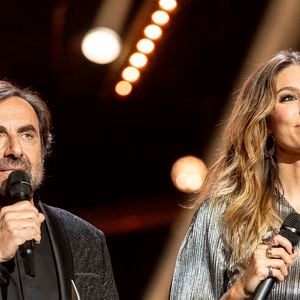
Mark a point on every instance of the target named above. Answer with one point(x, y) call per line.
point(72, 223)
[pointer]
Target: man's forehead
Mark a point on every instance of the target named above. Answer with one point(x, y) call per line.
point(16, 114)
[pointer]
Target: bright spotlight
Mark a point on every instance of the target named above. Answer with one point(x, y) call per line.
point(160, 17)
point(153, 32)
point(188, 174)
point(131, 74)
point(123, 88)
point(101, 45)
point(145, 46)
point(168, 4)
point(138, 60)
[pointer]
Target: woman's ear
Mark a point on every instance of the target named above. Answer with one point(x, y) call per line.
point(270, 146)
point(268, 124)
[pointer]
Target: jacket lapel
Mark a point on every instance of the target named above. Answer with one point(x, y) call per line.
point(61, 250)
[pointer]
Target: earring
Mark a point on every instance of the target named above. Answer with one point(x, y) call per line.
point(270, 146)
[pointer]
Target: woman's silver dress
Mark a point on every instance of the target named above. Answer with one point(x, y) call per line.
point(204, 267)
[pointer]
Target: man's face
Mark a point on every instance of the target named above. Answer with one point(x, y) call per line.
point(20, 142)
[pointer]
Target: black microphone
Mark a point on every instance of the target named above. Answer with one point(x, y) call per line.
point(18, 189)
point(290, 229)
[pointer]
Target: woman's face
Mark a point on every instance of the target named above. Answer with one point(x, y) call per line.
point(285, 117)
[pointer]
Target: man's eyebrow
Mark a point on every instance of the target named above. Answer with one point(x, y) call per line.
point(26, 128)
point(21, 129)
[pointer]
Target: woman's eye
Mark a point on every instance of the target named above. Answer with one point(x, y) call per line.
point(286, 98)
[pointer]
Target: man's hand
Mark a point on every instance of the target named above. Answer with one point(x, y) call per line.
point(19, 223)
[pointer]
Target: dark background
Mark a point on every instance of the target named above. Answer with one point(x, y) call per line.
point(112, 157)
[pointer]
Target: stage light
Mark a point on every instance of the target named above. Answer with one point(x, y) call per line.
point(168, 4)
point(131, 74)
point(160, 17)
point(138, 60)
point(188, 174)
point(101, 45)
point(153, 32)
point(123, 88)
point(145, 46)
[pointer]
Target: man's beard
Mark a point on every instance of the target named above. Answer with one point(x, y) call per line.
point(36, 176)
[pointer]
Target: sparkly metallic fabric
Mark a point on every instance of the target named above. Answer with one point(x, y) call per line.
point(204, 267)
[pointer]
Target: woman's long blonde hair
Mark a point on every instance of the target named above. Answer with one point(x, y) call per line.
point(243, 176)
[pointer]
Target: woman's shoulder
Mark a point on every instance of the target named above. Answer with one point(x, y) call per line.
point(207, 210)
point(206, 220)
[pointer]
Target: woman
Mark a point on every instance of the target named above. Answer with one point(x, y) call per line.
point(248, 193)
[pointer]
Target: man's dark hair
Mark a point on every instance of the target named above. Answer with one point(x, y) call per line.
point(8, 89)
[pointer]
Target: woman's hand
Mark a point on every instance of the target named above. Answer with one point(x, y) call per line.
point(268, 260)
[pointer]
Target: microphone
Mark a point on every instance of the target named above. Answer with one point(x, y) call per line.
point(290, 229)
point(18, 189)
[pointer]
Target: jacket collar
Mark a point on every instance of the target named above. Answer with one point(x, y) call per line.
point(61, 250)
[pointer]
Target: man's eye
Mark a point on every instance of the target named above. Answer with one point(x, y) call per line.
point(287, 98)
point(28, 136)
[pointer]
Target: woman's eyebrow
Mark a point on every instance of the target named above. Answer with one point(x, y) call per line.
point(290, 88)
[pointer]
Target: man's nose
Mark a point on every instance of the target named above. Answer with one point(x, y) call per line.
point(13, 147)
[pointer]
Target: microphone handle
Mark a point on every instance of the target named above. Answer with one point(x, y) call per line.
point(27, 253)
point(264, 288)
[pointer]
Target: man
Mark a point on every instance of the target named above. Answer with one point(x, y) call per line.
point(70, 258)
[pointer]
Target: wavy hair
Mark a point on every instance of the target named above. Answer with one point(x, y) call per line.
point(244, 177)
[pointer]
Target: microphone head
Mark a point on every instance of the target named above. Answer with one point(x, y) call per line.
point(18, 186)
point(290, 228)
